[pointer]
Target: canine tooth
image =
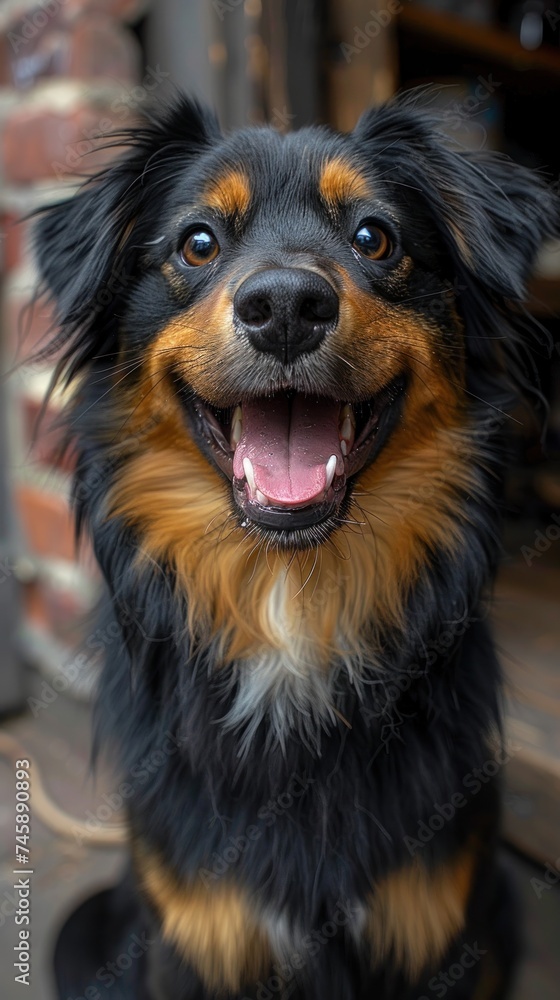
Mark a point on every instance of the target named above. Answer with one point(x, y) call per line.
point(236, 426)
point(347, 428)
point(347, 413)
point(249, 474)
point(331, 469)
point(261, 498)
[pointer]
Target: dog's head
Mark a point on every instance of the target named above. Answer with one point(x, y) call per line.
point(287, 339)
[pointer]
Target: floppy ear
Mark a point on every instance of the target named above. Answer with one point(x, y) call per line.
point(79, 243)
point(492, 216)
point(492, 213)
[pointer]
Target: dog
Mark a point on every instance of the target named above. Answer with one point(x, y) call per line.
point(291, 361)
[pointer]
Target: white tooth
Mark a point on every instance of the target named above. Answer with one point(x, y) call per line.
point(347, 428)
point(331, 469)
point(249, 474)
point(236, 426)
point(262, 499)
point(347, 413)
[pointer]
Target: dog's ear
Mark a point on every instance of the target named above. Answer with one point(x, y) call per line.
point(492, 214)
point(79, 243)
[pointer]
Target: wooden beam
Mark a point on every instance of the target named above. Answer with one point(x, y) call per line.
point(531, 816)
point(362, 63)
point(481, 40)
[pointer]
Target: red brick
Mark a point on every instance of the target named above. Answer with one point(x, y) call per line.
point(91, 47)
point(59, 602)
point(43, 439)
point(41, 141)
point(100, 48)
point(68, 58)
point(17, 219)
point(31, 42)
point(27, 328)
point(46, 521)
point(34, 606)
point(48, 526)
point(124, 10)
point(14, 238)
point(60, 610)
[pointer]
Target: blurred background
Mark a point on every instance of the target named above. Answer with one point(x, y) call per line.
point(73, 70)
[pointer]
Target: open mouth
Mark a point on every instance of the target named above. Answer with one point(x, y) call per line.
point(292, 457)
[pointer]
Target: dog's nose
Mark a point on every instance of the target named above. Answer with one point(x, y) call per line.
point(286, 311)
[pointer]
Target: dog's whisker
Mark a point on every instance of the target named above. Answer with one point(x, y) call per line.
point(280, 623)
point(304, 584)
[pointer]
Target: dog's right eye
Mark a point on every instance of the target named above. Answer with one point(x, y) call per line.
point(372, 241)
point(200, 247)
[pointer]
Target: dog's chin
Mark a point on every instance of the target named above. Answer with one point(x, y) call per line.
point(292, 458)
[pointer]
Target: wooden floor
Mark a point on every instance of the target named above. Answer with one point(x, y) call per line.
point(66, 872)
point(528, 624)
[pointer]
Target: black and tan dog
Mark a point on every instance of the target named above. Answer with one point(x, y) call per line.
point(291, 358)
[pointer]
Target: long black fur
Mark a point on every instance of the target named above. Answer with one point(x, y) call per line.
point(410, 746)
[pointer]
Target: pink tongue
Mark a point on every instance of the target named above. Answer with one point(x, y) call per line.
point(289, 443)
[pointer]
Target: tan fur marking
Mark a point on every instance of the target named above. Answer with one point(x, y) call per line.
point(415, 913)
point(213, 928)
point(318, 605)
point(392, 338)
point(341, 182)
point(196, 342)
point(229, 194)
point(403, 506)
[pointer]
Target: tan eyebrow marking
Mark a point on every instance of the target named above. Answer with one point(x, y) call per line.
point(342, 181)
point(229, 193)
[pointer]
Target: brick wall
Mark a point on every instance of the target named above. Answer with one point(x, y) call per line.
point(70, 70)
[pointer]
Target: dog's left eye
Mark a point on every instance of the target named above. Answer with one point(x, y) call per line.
point(200, 247)
point(372, 242)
